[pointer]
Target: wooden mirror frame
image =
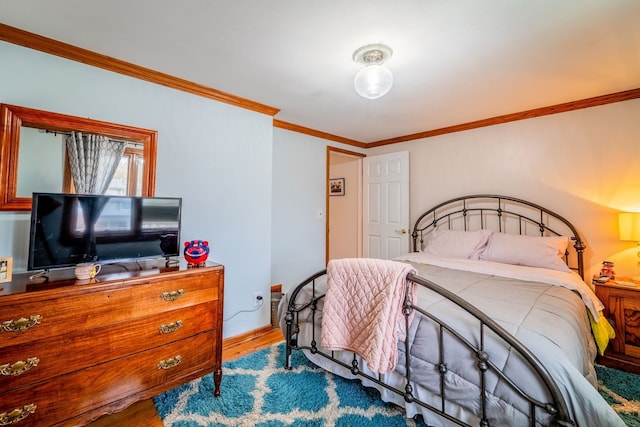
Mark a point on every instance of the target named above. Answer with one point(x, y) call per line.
point(12, 118)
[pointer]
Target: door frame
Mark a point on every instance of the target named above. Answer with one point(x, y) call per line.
point(331, 150)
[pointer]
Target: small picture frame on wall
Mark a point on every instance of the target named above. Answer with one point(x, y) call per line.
point(6, 266)
point(336, 187)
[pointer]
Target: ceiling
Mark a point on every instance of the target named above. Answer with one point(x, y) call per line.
point(454, 61)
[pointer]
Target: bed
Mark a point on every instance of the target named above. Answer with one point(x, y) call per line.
point(496, 325)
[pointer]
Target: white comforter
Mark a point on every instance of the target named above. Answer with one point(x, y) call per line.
point(570, 280)
point(545, 310)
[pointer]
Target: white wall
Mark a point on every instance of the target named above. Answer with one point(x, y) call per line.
point(299, 182)
point(584, 165)
point(299, 185)
point(217, 157)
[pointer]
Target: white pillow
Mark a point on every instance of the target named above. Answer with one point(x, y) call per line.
point(457, 243)
point(545, 252)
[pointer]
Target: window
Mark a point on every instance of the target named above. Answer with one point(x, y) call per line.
point(127, 180)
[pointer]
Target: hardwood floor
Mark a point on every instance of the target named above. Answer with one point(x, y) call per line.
point(143, 414)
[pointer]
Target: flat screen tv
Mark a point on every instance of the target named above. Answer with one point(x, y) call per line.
point(70, 229)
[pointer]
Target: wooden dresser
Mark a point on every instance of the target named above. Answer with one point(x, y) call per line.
point(71, 350)
point(622, 308)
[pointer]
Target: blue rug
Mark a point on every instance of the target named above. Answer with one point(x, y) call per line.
point(622, 391)
point(258, 391)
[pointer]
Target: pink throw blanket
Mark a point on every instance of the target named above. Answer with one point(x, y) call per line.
point(363, 309)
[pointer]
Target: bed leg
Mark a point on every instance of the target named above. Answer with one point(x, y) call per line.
point(289, 319)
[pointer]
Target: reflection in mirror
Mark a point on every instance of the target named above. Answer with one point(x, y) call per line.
point(40, 162)
point(33, 155)
point(43, 166)
point(127, 180)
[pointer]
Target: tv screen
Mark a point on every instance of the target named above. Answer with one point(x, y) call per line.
point(69, 229)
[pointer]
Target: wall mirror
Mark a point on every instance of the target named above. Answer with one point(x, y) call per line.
point(33, 156)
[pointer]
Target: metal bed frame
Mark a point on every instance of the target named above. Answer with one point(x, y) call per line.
point(506, 211)
point(499, 213)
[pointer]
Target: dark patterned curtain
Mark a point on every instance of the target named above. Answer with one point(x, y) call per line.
point(93, 160)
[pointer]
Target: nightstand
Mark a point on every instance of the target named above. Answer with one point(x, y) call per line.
point(622, 308)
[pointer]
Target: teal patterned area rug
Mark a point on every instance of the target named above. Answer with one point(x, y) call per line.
point(258, 391)
point(622, 391)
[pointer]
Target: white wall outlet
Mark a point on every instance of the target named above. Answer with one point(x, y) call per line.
point(257, 299)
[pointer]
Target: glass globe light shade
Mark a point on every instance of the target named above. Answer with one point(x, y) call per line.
point(373, 81)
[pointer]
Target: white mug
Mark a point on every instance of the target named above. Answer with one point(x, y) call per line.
point(87, 271)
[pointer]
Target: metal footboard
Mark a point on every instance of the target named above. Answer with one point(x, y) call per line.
point(556, 408)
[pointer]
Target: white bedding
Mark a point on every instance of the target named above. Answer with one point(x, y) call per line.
point(570, 280)
point(550, 320)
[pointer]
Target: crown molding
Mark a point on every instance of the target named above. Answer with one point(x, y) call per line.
point(308, 131)
point(523, 115)
point(64, 50)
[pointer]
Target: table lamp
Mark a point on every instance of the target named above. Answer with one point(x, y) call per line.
point(629, 227)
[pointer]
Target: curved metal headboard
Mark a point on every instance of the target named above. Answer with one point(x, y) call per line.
point(502, 214)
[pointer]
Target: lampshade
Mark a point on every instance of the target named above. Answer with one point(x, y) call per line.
point(373, 81)
point(629, 225)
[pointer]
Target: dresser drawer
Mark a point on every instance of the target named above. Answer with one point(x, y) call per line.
point(99, 306)
point(67, 396)
point(83, 348)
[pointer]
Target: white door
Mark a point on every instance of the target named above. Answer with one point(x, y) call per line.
point(386, 205)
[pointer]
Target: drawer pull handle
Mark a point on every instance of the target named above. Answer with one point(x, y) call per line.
point(171, 327)
point(21, 324)
point(17, 415)
point(173, 295)
point(169, 363)
point(19, 367)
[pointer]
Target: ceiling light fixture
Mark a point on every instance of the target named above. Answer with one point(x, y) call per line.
point(374, 80)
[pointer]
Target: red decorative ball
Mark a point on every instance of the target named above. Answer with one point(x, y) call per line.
point(196, 251)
